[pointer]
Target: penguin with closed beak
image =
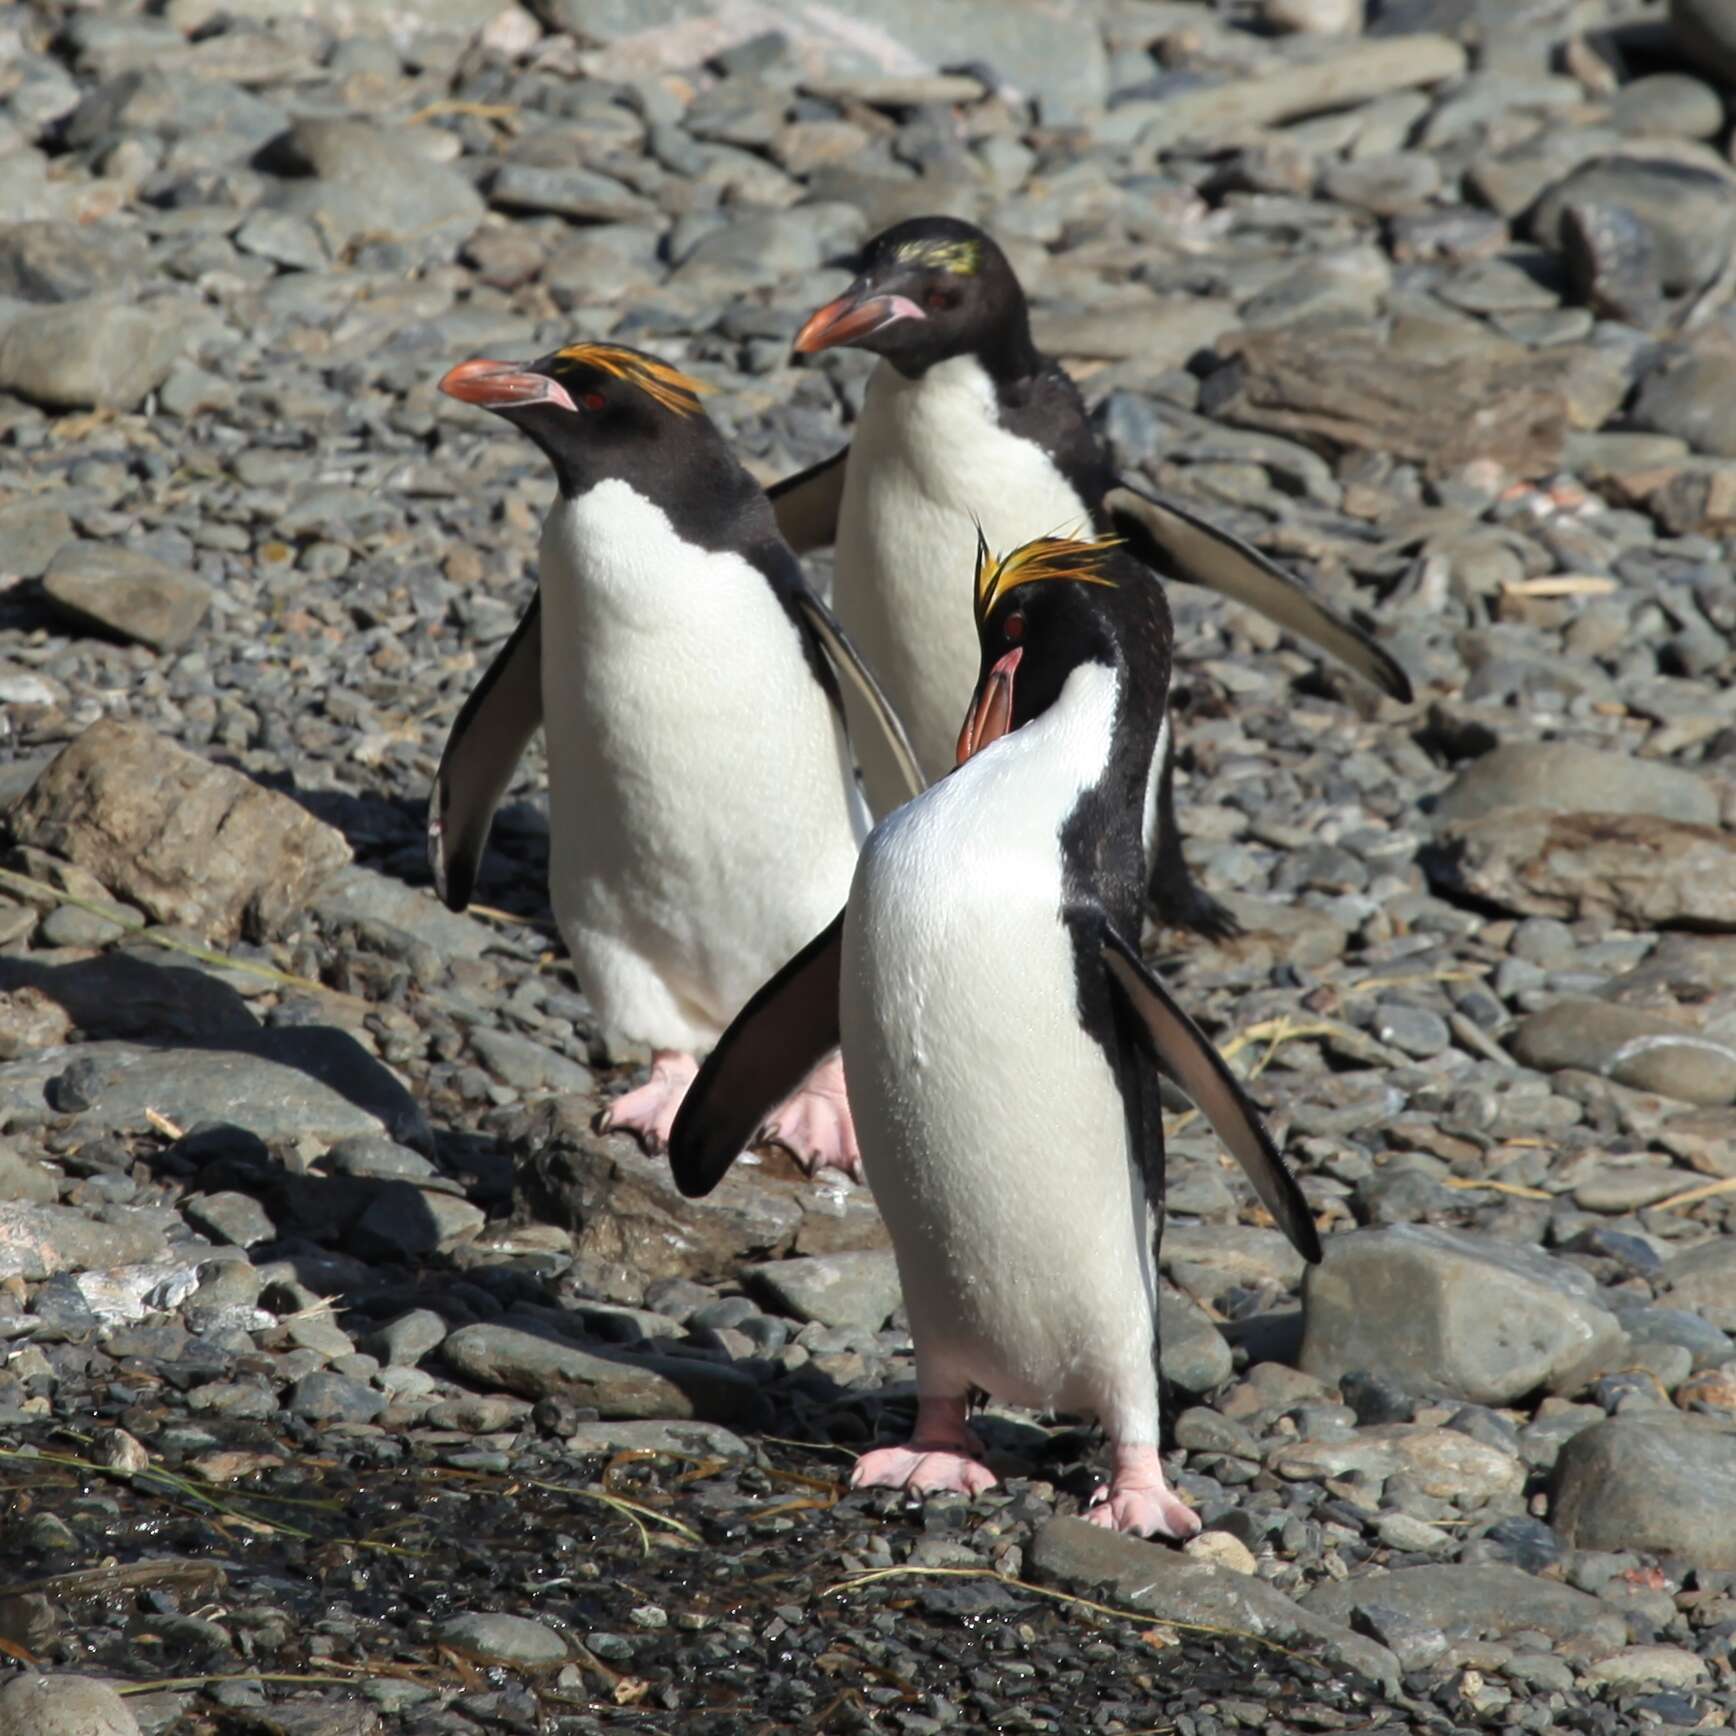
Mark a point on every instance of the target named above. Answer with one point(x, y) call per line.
point(1003, 1039)
point(966, 425)
point(703, 811)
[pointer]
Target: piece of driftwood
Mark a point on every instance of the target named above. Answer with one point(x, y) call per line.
point(1338, 387)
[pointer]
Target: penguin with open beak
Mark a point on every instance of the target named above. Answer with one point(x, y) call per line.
point(1003, 1039)
point(966, 424)
point(704, 815)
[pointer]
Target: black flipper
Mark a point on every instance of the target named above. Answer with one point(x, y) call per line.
point(488, 739)
point(1181, 1052)
point(771, 1046)
point(854, 674)
point(1175, 896)
point(1182, 545)
point(806, 504)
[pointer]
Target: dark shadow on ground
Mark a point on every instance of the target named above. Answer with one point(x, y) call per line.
point(117, 997)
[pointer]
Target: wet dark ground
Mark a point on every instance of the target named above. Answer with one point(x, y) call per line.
point(309, 1592)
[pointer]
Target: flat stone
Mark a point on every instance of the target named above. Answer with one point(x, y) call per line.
point(377, 1159)
point(1639, 871)
point(1662, 1483)
point(1705, 1276)
point(63, 1705)
point(682, 1440)
point(577, 193)
point(1669, 104)
point(1036, 48)
point(1636, 1047)
point(1443, 1463)
point(1387, 184)
point(367, 179)
point(890, 90)
point(1416, 1644)
point(1355, 71)
point(1690, 211)
point(1440, 1311)
point(1647, 1667)
point(405, 1341)
point(286, 239)
point(627, 1215)
point(405, 1221)
point(1413, 1536)
point(1484, 1601)
point(1629, 1187)
point(528, 1066)
point(859, 1289)
point(64, 261)
point(120, 591)
point(1154, 1578)
point(1560, 777)
point(1689, 395)
point(36, 1241)
point(1192, 1353)
point(31, 534)
point(23, 1180)
point(186, 841)
point(617, 1384)
point(1647, 1323)
point(504, 1639)
point(324, 1397)
point(235, 1218)
point(356, 894)
point(82, 355)
point(1242, 1253)
point(285, 1082)
point(772, 244)
point(1159, 333)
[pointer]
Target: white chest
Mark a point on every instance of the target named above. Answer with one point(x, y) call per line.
point(992, 1123)
point(701, 822)
point(929, 462)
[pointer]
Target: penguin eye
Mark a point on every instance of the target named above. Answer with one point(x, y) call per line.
point(941, 299)
point(1014, 626)
point(593, 400)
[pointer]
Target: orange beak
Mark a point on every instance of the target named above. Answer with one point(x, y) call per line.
point(852, 317)
point(503, 386)
point(991, 712)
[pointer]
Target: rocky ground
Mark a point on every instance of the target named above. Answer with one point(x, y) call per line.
point(350, 1384)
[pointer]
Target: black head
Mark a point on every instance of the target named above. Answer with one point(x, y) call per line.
point(597, 410)
point(925, 291)
point(1049, 607)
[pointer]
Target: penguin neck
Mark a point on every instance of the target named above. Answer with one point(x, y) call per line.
point(689, 476)
point(1102, 834)
point(1007, 354)
point(1088, 747)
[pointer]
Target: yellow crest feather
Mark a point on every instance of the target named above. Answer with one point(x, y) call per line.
point(667, 385)
point(1048, 557)
point(961, 258)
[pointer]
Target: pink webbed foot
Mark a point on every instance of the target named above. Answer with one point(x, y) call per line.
point(815, 1125)
point(1138, 1498)
point(922, 1470)
point(943, 1456)
point(648, 1113)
